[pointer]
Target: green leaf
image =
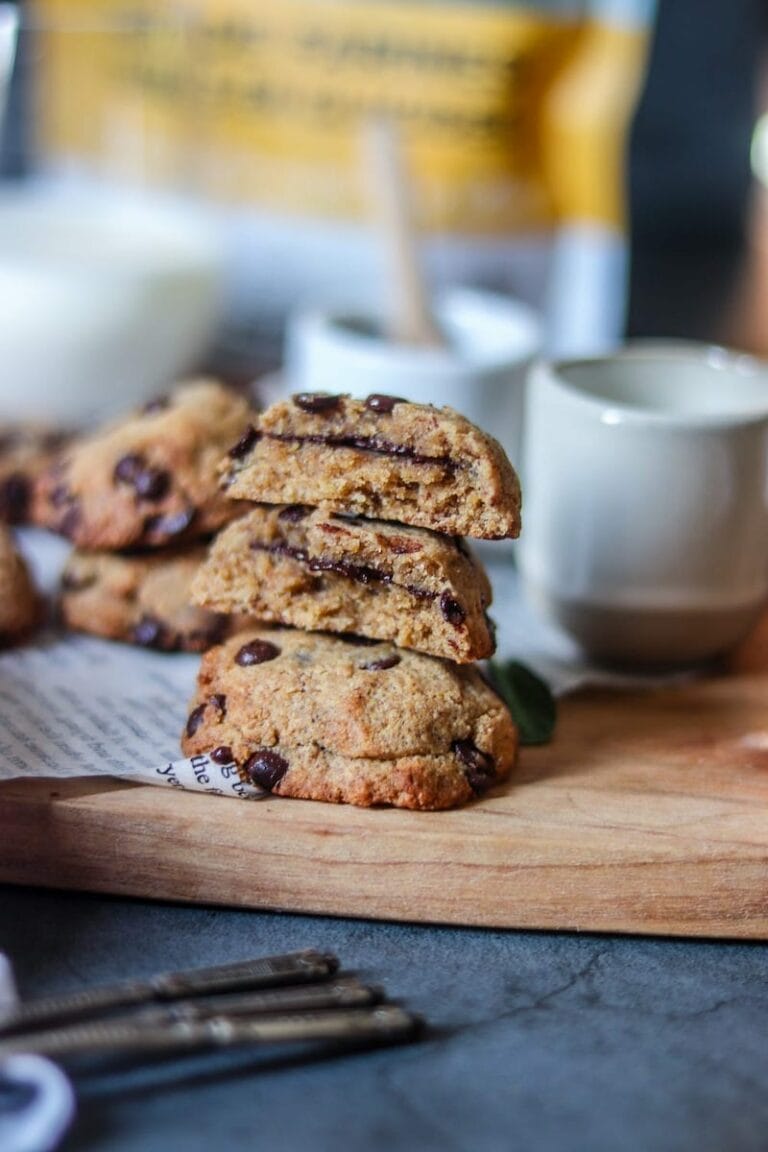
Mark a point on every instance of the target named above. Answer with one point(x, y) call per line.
point(528, 698)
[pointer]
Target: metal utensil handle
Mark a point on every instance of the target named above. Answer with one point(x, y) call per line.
point(264, 972)
point(343, 993)
point(386, 1022)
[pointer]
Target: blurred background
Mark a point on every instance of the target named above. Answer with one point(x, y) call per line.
point(603, 163)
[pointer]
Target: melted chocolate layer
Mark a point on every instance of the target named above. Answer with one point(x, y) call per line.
point(360, 573)
point(376, 445)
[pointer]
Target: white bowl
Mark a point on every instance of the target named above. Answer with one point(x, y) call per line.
point(104, 300)
point(480, 372)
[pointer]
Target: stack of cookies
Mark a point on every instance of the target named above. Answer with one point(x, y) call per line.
point(353, 545)
point(139, 499)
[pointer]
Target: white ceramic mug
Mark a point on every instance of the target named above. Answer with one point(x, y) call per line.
point(645, 513)
point(481, 371)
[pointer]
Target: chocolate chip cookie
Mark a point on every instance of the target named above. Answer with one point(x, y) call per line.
point(26, 450)
point(318, 570)
point(20, 605)
point(380, 457)
point(149, 479)
point(140, 599)
point(320, 718)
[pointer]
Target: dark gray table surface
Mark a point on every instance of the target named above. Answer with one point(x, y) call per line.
point(544, 1043)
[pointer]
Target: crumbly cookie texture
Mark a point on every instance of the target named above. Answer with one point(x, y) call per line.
point(20, 604)
point(318, 717)
point(317, 570)
point(149, 479)
point(140, 599)
point(26, 450)
point(381, 457)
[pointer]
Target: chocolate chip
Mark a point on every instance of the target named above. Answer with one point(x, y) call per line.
point(72, 582)
point(381, 665)
point(402, 545)
point(376, 402)
point(60, 495)
point(172, 524)
point(256, 652)
point(148, 483)
point(70, 521)
point(479, 767)
point(128, 468)
point(195, 719)
point(159, 404)
point(150, 632)
point(244, 444)
point(219, 701)
point(265, 768)
point(221, 755)
point(316, 401)
point(15, 493)
point(152, 483)
point(452, 611)
point(419, 592)
point(293, 513)
point(360, 573)
point(333, 529)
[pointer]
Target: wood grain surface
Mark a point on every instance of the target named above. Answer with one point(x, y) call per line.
point(648, 814)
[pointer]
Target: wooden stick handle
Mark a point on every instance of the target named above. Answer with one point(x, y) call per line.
point(410, 317)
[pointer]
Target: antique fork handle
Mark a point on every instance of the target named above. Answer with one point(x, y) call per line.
point(387, 1023)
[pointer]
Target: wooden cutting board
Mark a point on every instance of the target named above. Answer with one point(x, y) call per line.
point(648, 813)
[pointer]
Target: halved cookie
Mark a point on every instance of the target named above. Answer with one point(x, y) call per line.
point(381, 457)
point(317, 570)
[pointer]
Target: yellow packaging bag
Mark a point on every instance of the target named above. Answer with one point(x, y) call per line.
point(514, 118)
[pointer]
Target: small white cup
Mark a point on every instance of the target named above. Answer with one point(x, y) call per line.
point(491, 342)
point(645, 513)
